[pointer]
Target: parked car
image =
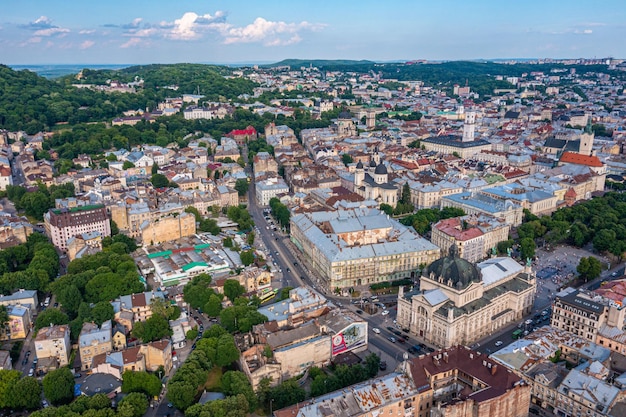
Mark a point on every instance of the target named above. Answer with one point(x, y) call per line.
point(499, 343)
point(376, 330)
point(384, 313)
point(392, 339)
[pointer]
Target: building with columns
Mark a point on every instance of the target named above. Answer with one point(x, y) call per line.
point(459, 302)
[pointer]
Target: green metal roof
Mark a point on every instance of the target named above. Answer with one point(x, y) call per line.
point(193, 265)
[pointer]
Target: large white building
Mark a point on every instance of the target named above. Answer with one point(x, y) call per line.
point(270, 188)
point(459, 302)
point(359, 247)
point(63, 224)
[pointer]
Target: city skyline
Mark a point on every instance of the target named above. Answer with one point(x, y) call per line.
point(115, 32)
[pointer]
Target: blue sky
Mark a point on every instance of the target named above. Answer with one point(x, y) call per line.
point(247, 31)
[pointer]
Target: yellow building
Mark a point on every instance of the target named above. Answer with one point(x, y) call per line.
point(54, 342)
point(94, 340)
point(168, 228)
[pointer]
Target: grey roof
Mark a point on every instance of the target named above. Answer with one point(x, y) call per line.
point(19, 295)
point(455, 141)
point(100, 384)
point(454, 269)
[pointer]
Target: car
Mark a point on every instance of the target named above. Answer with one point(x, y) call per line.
point(391, 329)
point(31, 372)
point(28, 353)
point(499, 343)
point(401, 340)
point(376, 330)
point(193, 346)
point(405, 336)
point(35, 361)
point(45, 404)
point(78, 375)
point(392, 339)
point(614, 274)
point(359, 312)
point(382, 366)
point(412, 350)
point(170, 405)
point(56, 305)
point(24, 361)
point(295, 264)
point(397, 332)
point(528, 322)
point(288, 270)
point(384, 313)
point(201, 328)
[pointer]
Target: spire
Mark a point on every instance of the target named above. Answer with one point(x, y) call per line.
point(588, 128)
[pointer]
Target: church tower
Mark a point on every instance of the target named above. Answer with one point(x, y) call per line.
point(359, 174)
point(586, 139)
point(468, 126)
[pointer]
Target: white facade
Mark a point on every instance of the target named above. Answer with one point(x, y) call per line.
point(266, 190)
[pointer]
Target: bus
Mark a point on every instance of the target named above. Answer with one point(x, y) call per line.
point(517, 334)
point(266, 296)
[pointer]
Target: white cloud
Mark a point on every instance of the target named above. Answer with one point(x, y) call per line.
point(131, 42)
point(51, 31)
point(583, 32)
point(269, 33)
point(191, 25)
point(87, 32)
point(42, 22)
point(87, 44)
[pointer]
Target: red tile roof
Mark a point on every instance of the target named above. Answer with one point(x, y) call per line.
point(579, 159)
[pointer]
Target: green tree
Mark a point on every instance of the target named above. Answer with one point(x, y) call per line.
point(58, 386)
point(241, 186)
point(8, 379)
point(140, 381)
point(127, 164)
point(102, 312)
point(247, 257)
point(372, 363)
point(227, 351)
point(50, 316)
point(386, 208)
point(154, 169)
point(527, 248)
point(192, 334)
point(235, 382)
point(181, 394)
point(603, 240)
point(159, 181)
point(213, 307)
point(233, 289)
point(26, 393)
point(347, 159)
point(154, 328)
point(589, 268)
point(134, 404)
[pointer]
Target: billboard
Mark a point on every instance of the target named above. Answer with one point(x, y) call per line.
point(352, 337)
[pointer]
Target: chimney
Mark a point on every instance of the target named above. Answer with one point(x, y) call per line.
point(445, 357)
point(494, 368)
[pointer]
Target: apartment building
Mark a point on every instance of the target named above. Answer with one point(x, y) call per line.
point(63, 224)
point(94, 340)
point(53, 343)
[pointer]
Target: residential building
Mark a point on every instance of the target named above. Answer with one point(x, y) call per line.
point(474, 235)
point(147, 357)
point(27, 298)
point(94, 340)
point(63, 224)
point(87, 243)
point(392, 394)
point(270, 188)
point(359, 247)
point(460, 382)
point(584, 314)
point(264, 162)
point(19, 323)
point(53, 343)
point(459, 302)
point(137, 304)
point(479, 203)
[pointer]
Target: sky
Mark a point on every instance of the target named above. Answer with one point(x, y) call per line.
point(36, 32)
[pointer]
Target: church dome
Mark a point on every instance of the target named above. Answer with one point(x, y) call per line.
point(381, 169)
point(359, 165)
point(454, 271)
point(372, 164)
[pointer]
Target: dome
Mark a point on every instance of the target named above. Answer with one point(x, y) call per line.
point(359, 165)
point(372, 164)
point(381, 169)
point(454, 271)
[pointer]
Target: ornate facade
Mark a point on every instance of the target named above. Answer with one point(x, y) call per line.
point(459, 302)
